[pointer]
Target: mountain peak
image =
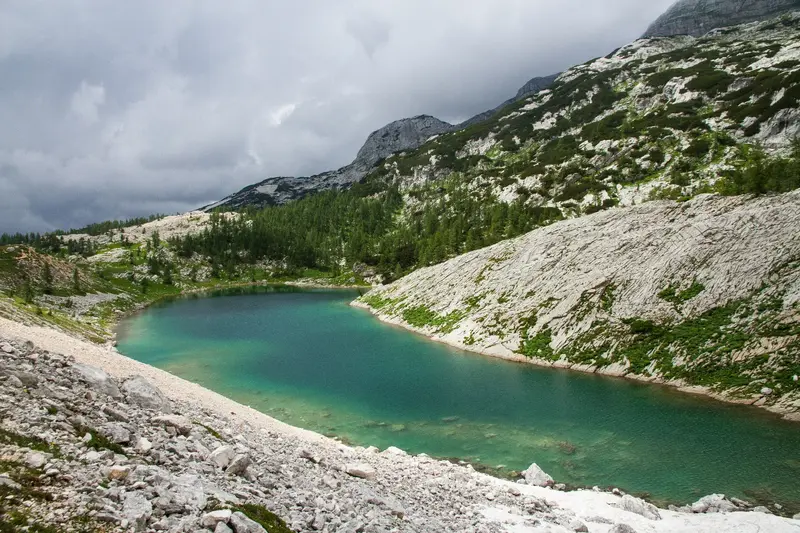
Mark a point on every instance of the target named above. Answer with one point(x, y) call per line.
point(698, 17)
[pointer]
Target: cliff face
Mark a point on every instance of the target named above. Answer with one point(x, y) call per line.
point(699, 293)
point(697, 17)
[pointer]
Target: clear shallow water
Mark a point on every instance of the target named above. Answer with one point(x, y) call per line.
point(309, 359)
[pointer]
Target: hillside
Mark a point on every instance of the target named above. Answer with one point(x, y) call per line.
point(704, 293)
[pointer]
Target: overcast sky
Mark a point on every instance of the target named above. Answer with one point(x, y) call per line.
point(119, 109)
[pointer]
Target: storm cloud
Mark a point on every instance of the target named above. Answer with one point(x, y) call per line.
point(119, 109)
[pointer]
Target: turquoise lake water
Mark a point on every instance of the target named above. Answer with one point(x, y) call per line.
point(309, 359)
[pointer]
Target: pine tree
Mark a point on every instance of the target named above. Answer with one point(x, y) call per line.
point(76, 280)
point(47, 278)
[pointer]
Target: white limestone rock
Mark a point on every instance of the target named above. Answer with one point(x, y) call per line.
point(534, 475)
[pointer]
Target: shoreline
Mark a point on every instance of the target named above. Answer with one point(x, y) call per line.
point(508, 355)
point(580, 501)
point(485, 490)
point(111, 336)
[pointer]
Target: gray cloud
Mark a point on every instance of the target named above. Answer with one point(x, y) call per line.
point(117, 109)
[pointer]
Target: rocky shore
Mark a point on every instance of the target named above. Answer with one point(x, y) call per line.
point(94, 441)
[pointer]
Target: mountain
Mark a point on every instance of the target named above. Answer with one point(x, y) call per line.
point(533, 86)
point(698, 17)
point(405, 134)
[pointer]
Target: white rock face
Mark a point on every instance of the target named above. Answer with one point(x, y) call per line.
point(612, 268)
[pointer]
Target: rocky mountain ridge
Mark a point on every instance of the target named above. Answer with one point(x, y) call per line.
point(698, 17)
point(701, 294)
point(404, 134)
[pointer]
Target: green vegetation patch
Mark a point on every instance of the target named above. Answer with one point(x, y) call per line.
point(538, 346)
point(421, 317)
point(34, 443)
point(98, 440)
point(268, 520)
point(677, 297)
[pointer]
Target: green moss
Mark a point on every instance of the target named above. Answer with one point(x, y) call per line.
point(268, 520)
point(99, 441)
point(34, 443)
point(213, 432)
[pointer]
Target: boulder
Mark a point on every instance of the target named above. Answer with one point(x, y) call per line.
point(534, 475)
point(181, 424)
point(140, 392)
point(238, 466)
point(391, 450)
point(188, 491)
point(7, 348)
point(27, 379)
point(713, 503)
point(143, 445)
point(363, 471)
point(35, 460)
point(242, 524)
point(6, 481)
point(116, 414)
point(116, 433)
point(637, 505)
point(15, 382)
point(222, 527)
point(118, 472)
point(98, 380)
point(578, 526)
point(137, 510)
point(210, 520)
point(222, 456)
point(621, 528)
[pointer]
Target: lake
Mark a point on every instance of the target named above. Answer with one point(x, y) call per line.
point(309, 359)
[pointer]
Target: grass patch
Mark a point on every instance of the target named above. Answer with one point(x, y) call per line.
point(673, 295)
point(99, 441)
point(421, 317)
point(34, 443)
point(213, 432)
point(538, 346)
point(268, 520)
